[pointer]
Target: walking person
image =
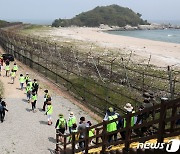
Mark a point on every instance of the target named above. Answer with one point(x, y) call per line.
point(71, 121)
point(0, 68)
point(61, 125)
point(28, 92)
point(21, 80)
point(33, 101)
point(49, 112)
point(15, 68)
point(2, 110)
point(82, 128)
point(47, 98)
point(7, 69)
point(35, 86)
point(13, 74)
point(27, 78)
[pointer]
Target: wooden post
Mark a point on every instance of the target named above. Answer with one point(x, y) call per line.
point(57, 142)
point(170, 83)
point(173, 122)
point(97, 138)
point(65, 142)
point(86, 140)
point(128, 133)
point(104, 137)
point(73, 143)
point(162, 117)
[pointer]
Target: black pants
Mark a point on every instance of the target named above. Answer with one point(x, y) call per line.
point(44, 106)
point(33, 105)
point(111, 136)
point(81, 143)
point(2, 115)
point(35, 90)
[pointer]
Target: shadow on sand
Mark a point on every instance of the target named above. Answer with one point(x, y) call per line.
point(25, 100)
point(51, 139)
point(40, 110)
point(28, 110)
point(43, 122)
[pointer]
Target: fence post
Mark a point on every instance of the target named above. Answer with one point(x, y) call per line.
point(174, 113)
point(65, 141)
point(97, 133)
point(57, 150)
point(161, 120)
point(104, 137)
point(128, 132)
point(73, 143)
point(170, 83)
point(86, 140)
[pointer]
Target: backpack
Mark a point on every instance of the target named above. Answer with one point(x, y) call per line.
point(62, 123)
point(1, 108)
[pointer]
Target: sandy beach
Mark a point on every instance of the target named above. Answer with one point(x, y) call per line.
point(162, 53)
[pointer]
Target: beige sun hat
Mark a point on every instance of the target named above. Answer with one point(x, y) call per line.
point(128, 107)
point(71, 114)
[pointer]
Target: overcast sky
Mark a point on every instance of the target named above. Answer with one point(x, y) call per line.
point(29, 10)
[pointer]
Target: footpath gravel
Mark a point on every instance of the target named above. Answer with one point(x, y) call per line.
point(24, 131)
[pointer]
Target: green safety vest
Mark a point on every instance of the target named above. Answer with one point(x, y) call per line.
point(49, 109)
point(34, 98)
point(15, 67)
point(28, 88)
point(13, 74)
point(7, 68)
point(21, 79)
point(62, 123)
point(71, 121)
point(91, 132)
point(132, 121)
point(26, 77)
point(112, 126)
point(30, 83)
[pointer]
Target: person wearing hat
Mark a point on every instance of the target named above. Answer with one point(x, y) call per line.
point(13, 75)
point(110, 111)
point(129, 109)
point(47, 98)
point(49, 112)
point(71, 121)
point(61, 125)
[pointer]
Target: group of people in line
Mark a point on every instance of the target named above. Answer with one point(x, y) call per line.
point(8, 70)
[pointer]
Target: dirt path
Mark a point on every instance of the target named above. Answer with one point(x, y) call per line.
point(24, 131)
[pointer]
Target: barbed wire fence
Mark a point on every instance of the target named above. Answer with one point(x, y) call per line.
point(99, 82)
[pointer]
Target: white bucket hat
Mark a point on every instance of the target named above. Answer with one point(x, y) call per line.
point(128, 107)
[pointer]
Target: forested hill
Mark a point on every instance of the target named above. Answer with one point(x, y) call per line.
point(3, 23)
point(112, 15)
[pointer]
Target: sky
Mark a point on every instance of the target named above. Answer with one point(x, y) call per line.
point(48, 10)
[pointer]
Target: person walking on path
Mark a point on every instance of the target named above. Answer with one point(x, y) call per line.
point(49, 112)
point(7, 69)
point(71, 121)
point(27, 78)
point(47, 98)
point(15, 68)
point(61, 125)
point(28, 92)
point(82, 128)
point(33, 101)
point(35, 86)
point(2, 110)
point(13, 75)
point(21, 80)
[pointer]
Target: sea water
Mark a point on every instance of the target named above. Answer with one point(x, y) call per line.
point(166, 35)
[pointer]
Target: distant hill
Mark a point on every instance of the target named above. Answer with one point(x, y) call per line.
point(112, 15)
point(3, 23)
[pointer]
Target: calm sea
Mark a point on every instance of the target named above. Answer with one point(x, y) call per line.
point(166, 35)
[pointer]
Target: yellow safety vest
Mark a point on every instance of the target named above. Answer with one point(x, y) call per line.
point(49, 109)
point(112, 126)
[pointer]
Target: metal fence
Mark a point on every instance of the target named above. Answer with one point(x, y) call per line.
point(100, 83)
